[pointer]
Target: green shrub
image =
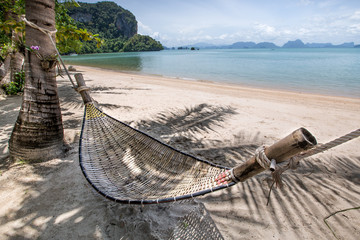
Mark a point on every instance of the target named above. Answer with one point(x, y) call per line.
point(17, 86)
point(139, 43)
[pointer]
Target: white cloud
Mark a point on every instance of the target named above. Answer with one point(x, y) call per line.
point(265, 29)
point(143, 29)
point(223, 36)
point(155, 35)
point(329, 3)
point(305, 2)
point(146, 30)
point(356, 15)
point(354, 29)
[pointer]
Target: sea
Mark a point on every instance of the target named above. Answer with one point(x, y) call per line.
point(326, 71)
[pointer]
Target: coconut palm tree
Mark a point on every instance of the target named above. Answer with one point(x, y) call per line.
point(38, 134)
point(14, 59)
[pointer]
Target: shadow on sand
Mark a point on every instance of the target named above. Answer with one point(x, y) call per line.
point(58, 203)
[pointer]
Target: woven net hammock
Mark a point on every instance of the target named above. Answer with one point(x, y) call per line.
point(128, 166)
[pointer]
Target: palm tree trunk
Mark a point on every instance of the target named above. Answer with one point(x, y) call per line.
point(38, 134)
point(16, 62)
point(4, 69)
point(16, 58)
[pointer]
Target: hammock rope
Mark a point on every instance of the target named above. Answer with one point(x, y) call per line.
point(334, 143)
point(128, 166)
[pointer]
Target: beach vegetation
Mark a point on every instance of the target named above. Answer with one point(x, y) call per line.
point(4, 51)
point(11, 35)
point(142, 43)
point(69, 37)
point(115, 25)
point(17, 86)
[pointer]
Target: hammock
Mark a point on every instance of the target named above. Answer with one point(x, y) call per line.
point(128, 166)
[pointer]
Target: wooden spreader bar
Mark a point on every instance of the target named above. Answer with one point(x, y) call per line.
point(298, 141)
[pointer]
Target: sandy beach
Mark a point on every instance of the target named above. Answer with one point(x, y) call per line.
point(52, 200)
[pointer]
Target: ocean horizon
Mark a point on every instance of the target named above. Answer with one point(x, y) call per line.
point(327, 71)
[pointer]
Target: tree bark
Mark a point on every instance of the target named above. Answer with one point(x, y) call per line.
point(38, 134)
point(4, 70)
point(16, 62)
point(16, 58)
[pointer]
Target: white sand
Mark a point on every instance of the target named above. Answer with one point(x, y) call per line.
point(52, 200)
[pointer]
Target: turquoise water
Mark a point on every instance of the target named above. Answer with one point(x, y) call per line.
point(323, 71)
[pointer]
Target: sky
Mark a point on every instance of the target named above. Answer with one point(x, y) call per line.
point(186, 22)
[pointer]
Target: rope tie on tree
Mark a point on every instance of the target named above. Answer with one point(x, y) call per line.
point(33, 25)
point(263, 160)
point(49, 33)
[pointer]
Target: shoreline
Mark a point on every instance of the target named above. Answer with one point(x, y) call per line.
point(160, 79)
point(327, 80)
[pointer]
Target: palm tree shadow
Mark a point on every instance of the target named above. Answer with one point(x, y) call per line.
point(9, 111)
point(309, 194)
point(311, 190)
point(69, 204)
point(198, 119)
point(182, 128)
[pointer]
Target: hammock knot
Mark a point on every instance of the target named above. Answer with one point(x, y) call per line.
point(263, 160)
point(276, 170)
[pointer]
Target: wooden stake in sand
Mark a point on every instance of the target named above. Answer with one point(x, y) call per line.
point(82, 88)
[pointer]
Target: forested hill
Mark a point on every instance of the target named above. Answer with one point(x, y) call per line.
point(114, 24)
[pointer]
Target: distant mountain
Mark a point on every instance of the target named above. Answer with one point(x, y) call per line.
point(202, 45)
point(243, 45)
point(199, 45)
point(318, 45)
point(266, 45)
point(290, 44)
point(345, 45)
point(299, 44)
point(294, 44)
